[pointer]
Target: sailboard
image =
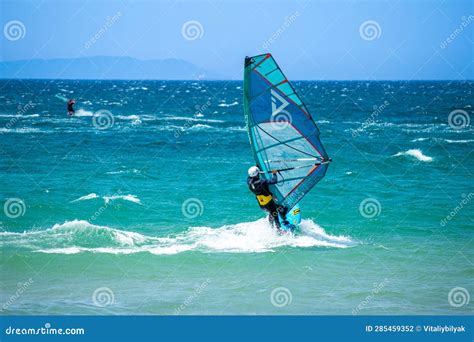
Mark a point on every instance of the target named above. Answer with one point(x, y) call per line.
point(282, 133)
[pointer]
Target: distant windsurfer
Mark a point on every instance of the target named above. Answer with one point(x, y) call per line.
point(260, 187)
point(70, 107)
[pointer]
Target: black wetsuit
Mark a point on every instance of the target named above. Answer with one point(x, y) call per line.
point(70, 107)
point(260, 187)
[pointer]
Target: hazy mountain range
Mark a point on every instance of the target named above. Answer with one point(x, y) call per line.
point(105, 68)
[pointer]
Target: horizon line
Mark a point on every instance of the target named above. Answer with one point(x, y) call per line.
point(230, 80)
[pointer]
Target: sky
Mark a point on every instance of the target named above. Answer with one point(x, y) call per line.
point(320, 40)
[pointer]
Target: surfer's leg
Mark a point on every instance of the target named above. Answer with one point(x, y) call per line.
point(283, 211)
point(272, 209)
point(271, 219)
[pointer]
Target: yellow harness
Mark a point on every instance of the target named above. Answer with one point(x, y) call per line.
point(264, 199)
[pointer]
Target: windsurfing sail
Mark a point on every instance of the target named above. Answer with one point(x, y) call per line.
point(282, 133)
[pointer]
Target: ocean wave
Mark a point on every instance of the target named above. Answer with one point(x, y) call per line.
point(235, 103)
point(236, 129)
point(19, 116)
point(249, 237)
point(123, 171)
point(127, 117)
point(108, 199)
point(449, 141)
point(415, 153)
point(135, 119)
point(196, 128)
point(23, 130)
point(82, 112)
point(184, 118)
point(199, 127)
point(130, 198)
point(86, 197)
point(404, 127)
point(420, 139)
point(427, 129)
point(465, 141)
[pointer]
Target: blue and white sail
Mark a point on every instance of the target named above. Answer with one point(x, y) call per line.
point(282, 133)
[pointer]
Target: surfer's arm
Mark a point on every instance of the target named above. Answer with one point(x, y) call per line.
point(273, 180)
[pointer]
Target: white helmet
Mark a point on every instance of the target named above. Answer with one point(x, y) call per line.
point(253, 171)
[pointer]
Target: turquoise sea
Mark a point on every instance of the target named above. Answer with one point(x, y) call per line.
point(139, 205)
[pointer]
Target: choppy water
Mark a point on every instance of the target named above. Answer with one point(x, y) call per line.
point(145, 210)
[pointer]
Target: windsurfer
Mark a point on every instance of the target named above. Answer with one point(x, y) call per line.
point(70, 107)
point(260, 187)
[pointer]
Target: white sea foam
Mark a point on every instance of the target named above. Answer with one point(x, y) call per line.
point(130, 198)
point(415, 153)
point(248, 237)
point(123, 171)
point(128, 117)
point(184, 118)
point(449, 141)
point(82, 112)
point(86, 197)
point(23, 130)
point(236, 129)
point(235, 103)
point(466, 141)
point(135, 119)
point(108, 199)
point(419, 139)
point(198, 127)
point(19, 116)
